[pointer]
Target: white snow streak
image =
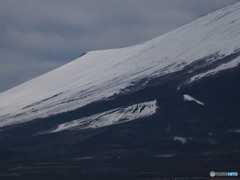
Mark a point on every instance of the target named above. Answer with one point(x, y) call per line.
point(183, 140)
point(115, 116)
point(224, 66)
point(189, 98)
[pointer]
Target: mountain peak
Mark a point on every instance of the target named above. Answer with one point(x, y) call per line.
point(99, 75)
point(147, 111)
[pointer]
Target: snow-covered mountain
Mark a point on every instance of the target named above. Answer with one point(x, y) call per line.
point(142, 112)
point(102, 74)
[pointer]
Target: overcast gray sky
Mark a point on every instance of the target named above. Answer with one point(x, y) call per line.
point(37, 36)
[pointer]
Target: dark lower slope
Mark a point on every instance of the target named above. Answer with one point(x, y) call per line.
point(183, 139)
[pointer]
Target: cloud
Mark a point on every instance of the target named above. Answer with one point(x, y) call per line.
point(37, 36)
point(17, 67)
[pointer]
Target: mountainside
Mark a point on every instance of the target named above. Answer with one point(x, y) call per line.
point(168, 107)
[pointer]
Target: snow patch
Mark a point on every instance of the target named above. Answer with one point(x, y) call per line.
point(235, 131)
point(218, 69)
point(210, 134)
point(165, 155)
point(107, 118)
point(183, 140)
point(189, 98)
point(83, 158)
